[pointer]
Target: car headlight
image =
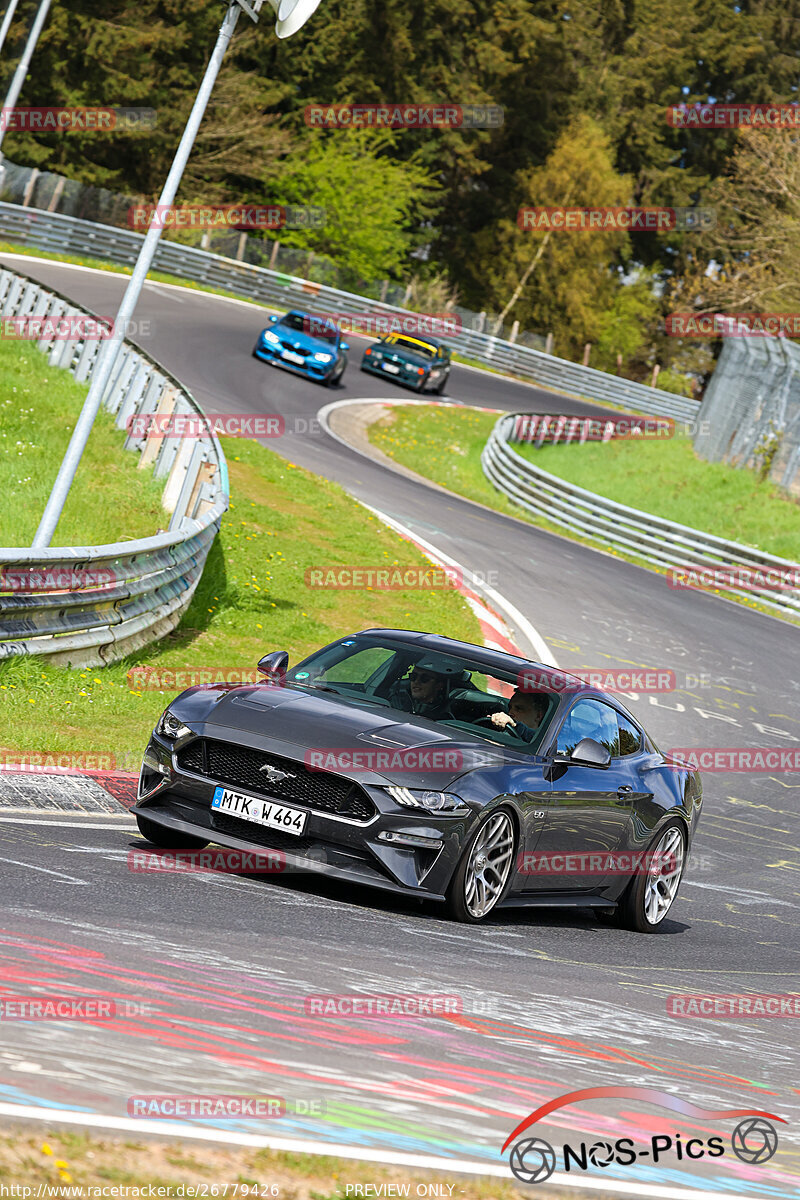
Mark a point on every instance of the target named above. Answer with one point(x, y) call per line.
point(323, 357)
point(170, 726)
point(269, 336)
point(438, 802)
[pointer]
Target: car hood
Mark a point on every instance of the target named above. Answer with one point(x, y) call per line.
point(402, 355)
point(373, 745)
point(301, 340)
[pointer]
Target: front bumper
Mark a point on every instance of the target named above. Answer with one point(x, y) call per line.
point(404, 379)
point(309, 369)
point(337, 846)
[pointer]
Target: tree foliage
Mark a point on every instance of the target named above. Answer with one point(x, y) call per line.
point(584, 85)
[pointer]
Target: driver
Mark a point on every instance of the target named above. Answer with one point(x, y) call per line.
point(525, 714)
point(426, 690)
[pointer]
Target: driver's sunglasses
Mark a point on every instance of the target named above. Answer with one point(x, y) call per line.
point(421, 677)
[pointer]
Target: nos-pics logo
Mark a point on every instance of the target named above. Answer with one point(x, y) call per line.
point(533, 1160)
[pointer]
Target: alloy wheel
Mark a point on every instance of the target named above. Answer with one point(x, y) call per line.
point(663, 876)
point(489, 865)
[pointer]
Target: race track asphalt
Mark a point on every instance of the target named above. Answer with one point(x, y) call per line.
point(551, 1000)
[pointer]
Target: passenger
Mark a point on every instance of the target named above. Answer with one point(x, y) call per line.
point(424, 692)
point(526, 711)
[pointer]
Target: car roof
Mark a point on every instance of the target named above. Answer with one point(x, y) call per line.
point(410, 337)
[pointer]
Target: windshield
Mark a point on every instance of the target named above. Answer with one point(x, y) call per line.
point(423, 349)
point(316, 327)
point(451, 690)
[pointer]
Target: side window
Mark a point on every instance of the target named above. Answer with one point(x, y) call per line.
point(592, 719)
point(630, 739)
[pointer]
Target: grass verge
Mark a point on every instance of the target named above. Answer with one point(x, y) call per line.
point(667, 478)
point(663, 477)
point(64, 1161)
point(252, 598)
point(111, 499)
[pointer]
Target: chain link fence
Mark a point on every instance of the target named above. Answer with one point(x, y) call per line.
point(750, 414)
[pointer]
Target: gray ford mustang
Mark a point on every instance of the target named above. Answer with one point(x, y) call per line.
point(428, 767)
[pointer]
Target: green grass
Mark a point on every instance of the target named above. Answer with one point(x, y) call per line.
point(664, 477)
point(252, 598)
point(110, 500)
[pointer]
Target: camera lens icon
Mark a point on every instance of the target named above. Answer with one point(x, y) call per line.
point(532, 1161)
point(601, 1154)
point(754, 1140)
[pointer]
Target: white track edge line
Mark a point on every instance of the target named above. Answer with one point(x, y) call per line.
point(528, 631)
point(364, 1154)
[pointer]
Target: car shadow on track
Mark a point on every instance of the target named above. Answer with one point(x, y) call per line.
point(393, 905)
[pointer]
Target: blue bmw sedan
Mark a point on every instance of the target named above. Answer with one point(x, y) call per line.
point(309, 345)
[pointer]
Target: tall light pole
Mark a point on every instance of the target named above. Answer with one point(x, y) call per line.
point(8, 17)
point(12, 97)
point(292, 15)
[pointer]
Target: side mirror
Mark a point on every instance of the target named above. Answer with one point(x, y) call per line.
point(273, 318)
point(344, 345)
point(274, 665)
point(587, 753)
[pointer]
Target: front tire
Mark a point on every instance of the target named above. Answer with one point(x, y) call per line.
point(481, 877)
point(168, 839)
point(651, 894)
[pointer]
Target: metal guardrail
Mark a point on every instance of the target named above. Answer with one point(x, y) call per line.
point(70, 235)
point(653, 539)
point(92, 605)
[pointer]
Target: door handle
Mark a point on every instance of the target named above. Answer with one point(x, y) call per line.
point(624, 789)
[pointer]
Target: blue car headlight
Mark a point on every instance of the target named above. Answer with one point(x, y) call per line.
point(269, 336)
point(323, 357)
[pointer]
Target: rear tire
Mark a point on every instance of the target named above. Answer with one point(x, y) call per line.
point(481, 878)
point(650, 895)
point(168, 839)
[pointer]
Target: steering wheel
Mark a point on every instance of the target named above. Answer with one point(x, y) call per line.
point(487, 722)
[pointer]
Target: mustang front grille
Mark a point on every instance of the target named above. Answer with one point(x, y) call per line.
point(276, 777)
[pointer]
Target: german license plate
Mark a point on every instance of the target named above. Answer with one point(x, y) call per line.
point(391, 368)
point(293, 358)
point(261, 812)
